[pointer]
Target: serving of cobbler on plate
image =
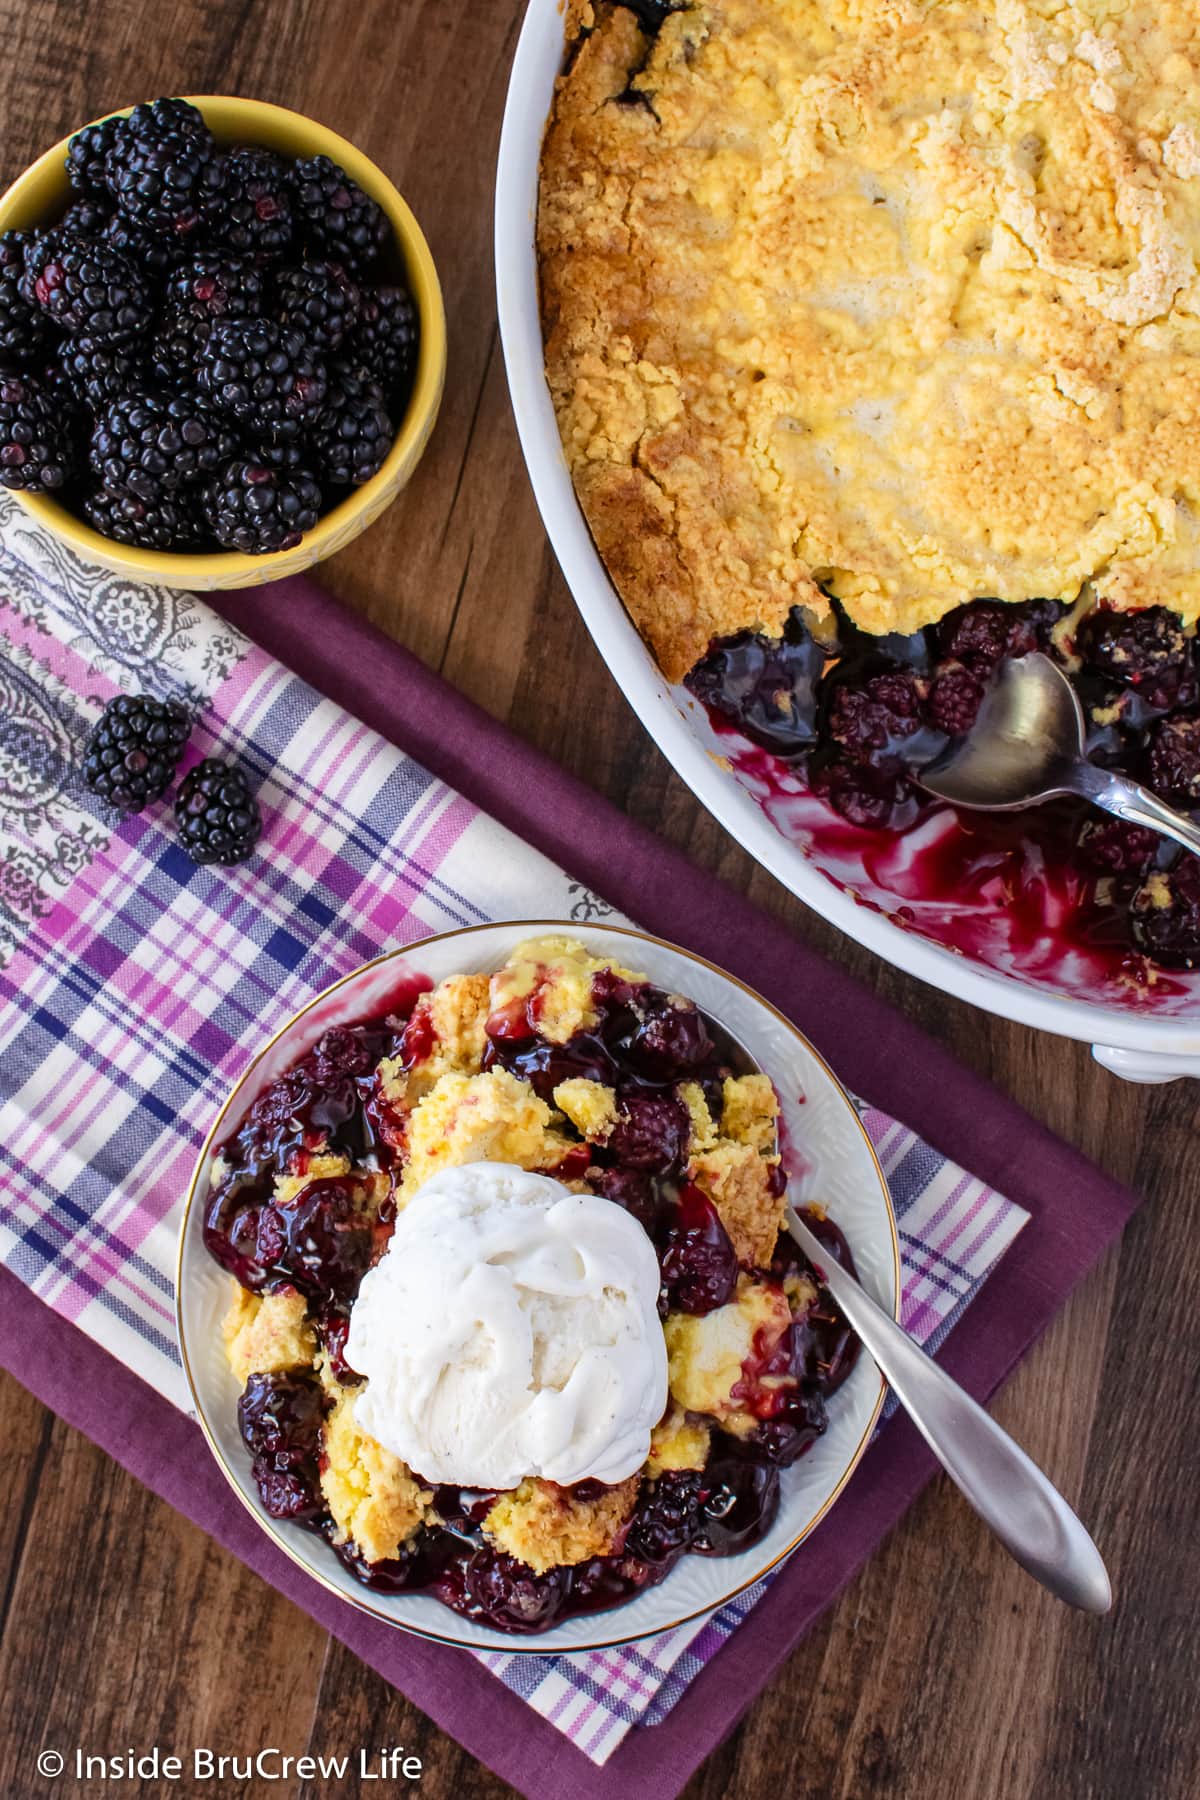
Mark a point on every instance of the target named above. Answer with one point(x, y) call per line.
point(872, 330)
point(513, 1313)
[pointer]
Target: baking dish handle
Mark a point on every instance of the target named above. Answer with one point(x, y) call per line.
point(1148, 1066)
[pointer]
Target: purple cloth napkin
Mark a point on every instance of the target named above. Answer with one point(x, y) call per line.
point(1076, 1211)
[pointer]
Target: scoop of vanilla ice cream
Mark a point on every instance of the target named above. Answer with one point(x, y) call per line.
point(511, 1329)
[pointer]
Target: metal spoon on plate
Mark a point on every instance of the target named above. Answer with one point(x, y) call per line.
point(1006, 1489)
point(993, 1473)
point(1028, 745)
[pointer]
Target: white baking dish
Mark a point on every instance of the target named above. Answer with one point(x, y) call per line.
point(1138, 1042)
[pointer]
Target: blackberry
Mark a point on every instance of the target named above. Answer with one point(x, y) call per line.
point(86, 218)
point(740, 1496)
point(871, 797)
point(321, 1243)
point(166, 523)
point(955, 697)
point(97, 373)
point(149, 447)
point(281, 1412)
point(352, 438)
point(263, 376)
point(384, 341)
point(256, 509)
point(206, 440)
point(87, 154)
point(1148, 651)
point(1165, 915)
point(696, 1255)
point(148, 251)
point(319, 300)
point(283, 453)
point(649, 1133)
point(35, 450)
point(1174, 760)
point(125, 452)
point(338, 217)
point(24, 332)
point(1116, 847)
point(978, 634)
point(667, 1516)
point(652, 15)
point(508, 1595)
point(172, 356)
point(215, 285)
point(169, 114)
point(86, 286)
point(216, 814)
point(870, 721)
point(61, 392)
point(168, 181)
point(133, 749)
point(257, 213)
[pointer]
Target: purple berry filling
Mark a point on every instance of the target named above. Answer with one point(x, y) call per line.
point(860, 715)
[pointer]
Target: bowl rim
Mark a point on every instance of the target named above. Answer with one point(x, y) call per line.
point(182, 569)
point(521, 1646)
point(633, 668)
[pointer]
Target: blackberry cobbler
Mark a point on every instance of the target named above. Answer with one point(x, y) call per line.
point(562, 1077)
point(873, 334)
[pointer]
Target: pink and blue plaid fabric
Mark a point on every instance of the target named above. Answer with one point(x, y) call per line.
point(134, 986)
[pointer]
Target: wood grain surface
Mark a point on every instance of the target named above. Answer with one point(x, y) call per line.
point(943, 1673)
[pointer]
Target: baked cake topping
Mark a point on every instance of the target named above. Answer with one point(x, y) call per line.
point(881, 299)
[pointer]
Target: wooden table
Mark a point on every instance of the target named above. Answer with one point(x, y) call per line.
point(943, 1672)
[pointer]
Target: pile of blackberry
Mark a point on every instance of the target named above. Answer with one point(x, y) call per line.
point(130, 762)
point(209, 349)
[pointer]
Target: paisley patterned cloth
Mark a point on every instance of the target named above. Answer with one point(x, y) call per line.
point(66, 627)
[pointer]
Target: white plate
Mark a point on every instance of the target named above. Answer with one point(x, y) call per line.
point(1133, 1034)
point(842, 1171)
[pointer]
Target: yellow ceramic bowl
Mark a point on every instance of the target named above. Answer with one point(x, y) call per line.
point(40, 196)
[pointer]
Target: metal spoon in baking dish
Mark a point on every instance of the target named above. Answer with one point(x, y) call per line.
point(1029, 744)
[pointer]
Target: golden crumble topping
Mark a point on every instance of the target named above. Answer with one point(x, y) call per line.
point(707, 1351)
point(737, 1179)
point(554, 976)
point(317, 1168)
point(370, 1493)
point(894, 300)
point(550, 1527)
point(366, 1188)
point(265, 1333)
point(589, 1105)
point(704, 1131)
point(801, 1291)
point(456, 1011)
point(472, 1118)
point(750, 1111)
point(679, 1441)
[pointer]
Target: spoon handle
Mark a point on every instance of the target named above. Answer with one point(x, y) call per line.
point(1007, 1490)
point(1130, 800)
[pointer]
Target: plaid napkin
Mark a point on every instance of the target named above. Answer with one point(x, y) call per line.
point(134, 986)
